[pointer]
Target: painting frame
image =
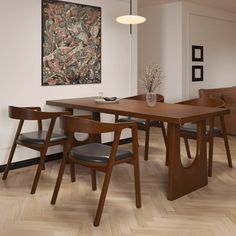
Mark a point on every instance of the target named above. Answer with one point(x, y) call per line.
point(71, 43)
point(197, 53)
point(197, 73)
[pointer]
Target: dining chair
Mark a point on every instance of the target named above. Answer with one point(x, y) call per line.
point(189, 130)
point(144, 124)
point(39, 140)
point(97, 156)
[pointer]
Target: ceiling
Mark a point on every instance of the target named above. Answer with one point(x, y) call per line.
point(226, 5)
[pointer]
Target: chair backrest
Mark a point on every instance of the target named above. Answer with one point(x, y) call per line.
point(216, 92)
point(207, 102)
point(31, 113)
point(73, 124)
point(160, 98)
point(34, 113)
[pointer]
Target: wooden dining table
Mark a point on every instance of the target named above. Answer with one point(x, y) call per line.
point(181, 179)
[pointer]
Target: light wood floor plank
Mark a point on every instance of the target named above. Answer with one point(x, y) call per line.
point(210, 211)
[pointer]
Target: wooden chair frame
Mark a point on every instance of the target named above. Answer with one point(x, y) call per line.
point(33, 113)
point(210, 102)
point(76, 124)
point(148, 124)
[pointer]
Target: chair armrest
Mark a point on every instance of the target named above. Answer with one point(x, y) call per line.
point(54, 115)
point(33, 108)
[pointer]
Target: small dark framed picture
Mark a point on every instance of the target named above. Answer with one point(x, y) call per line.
point(197, 73)
point(197, 53)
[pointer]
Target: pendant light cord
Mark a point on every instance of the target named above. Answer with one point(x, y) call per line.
point(130, 11)
point(130, 8)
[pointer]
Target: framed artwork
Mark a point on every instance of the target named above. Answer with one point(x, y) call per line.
point(197, 73)
point(197, 53)
point(71, 43)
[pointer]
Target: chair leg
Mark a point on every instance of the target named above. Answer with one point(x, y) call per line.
point(187, 148)
point(9, 161)
point(93, 179)
point(72, 171)
point(226, 142)
point(137, 183)
point(103, 196)
point(43, 168)
point(59, 178)
point(146, 148)
point(211, 143)
point(13, 148)
point(38, 172)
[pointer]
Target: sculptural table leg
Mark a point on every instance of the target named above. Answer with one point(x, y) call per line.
point(183, 180)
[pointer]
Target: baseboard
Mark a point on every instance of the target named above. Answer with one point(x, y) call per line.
point(30, 162)
point(52, 157)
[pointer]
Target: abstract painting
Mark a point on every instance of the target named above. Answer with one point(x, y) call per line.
point(71, 43)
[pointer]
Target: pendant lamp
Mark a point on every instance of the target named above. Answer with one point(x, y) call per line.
point(130, 19)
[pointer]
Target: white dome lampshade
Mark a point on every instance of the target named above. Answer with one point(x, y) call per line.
point(130, 19)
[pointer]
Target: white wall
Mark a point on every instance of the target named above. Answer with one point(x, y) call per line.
point(20, 63)
point(216, 31)
point(167, 36)
point(160, 41)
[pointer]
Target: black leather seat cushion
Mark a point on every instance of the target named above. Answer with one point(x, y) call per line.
point(132, 119)
point(192, 128)
point(139, 121)
point(38, 137)
point(96, 152)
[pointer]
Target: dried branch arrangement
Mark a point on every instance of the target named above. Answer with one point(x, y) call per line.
point(152, 77)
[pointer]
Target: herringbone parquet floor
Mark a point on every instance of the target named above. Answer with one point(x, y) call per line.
point(210, 211)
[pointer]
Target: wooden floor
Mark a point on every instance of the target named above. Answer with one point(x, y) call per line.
point(208, 211)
